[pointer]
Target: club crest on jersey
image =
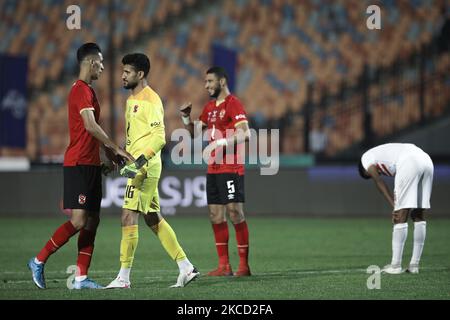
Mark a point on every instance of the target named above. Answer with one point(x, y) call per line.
point(212, 116)
point(81, 199)
point(222, 114)
point(135, 109)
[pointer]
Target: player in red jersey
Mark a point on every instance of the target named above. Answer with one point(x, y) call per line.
point(227, 124)
point(82, 171)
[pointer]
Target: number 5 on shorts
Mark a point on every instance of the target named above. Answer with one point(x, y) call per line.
point(230, 186)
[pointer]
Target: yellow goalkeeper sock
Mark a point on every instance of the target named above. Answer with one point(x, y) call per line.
point(169, 241)
point(130, 237)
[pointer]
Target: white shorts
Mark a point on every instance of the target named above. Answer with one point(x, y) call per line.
point(413, 181)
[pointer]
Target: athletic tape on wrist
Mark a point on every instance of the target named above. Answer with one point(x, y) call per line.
point(221, 142)
point(186, 120)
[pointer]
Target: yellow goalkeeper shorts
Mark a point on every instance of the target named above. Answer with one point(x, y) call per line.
point(141, 194)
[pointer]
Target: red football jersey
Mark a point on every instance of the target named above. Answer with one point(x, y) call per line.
point(220, 119)
point(83, 148)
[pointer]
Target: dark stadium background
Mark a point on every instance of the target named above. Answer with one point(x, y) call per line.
point(311, 69)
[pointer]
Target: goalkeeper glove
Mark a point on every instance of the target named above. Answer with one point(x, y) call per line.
point(132, 169)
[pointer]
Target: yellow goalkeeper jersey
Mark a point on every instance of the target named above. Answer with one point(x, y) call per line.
point(144, 117)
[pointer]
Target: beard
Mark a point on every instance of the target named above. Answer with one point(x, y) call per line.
point(95, 76)
point(216, 93)
point(130, 85)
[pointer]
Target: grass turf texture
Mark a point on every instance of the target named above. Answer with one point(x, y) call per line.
point(291, 258)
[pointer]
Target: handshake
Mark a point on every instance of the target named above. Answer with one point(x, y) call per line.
point(132, 169)
point(119, 161)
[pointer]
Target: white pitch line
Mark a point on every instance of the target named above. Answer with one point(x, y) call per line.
point(90, 272)
point(285, 273)
point(289, 272)
point(63, 280)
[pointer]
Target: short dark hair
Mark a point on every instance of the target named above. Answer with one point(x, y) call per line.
point(362, 172)
point(218, 71)
point(86, 50)
point(139, 61)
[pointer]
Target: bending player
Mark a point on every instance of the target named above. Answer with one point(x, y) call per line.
point(413, 172)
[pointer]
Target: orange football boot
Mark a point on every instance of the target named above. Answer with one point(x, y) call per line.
point(222, 270)
point(243, 271)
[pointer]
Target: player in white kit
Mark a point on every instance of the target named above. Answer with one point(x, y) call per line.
point(413, 172)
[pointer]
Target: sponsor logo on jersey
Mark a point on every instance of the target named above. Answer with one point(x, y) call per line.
point(240, 116)
point(155, 124)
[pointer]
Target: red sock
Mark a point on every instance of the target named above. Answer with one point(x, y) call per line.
point(221, 235)
point(242, 242)
point(59, 238)
point(85, 248)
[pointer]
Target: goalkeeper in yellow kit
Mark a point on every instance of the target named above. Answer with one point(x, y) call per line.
point(145, 137)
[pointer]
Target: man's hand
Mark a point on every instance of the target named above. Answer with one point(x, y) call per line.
point(207, 152)
point(211, 147)
point(108, 167)
point(185, 109)
point(132, 169)
point(125, 154)
point(112, 156)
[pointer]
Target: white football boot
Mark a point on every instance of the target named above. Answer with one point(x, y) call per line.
point(413, 268)
point(119, 283)
point(390, 269)
point(184, 278)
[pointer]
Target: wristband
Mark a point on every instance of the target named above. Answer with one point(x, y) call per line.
point(221, 142)
point(186, 120)
point(140, 162)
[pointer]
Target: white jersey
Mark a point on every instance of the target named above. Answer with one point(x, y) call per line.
point(387, 156)
point(412, 169)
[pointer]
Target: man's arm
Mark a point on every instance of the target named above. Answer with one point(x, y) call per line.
point(97, 132)
point(158, 135)
point(155, 144)
point(381, 185)
point(185, 110)
point(242, 134)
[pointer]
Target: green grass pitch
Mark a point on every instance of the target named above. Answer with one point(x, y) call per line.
point(291, 258)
